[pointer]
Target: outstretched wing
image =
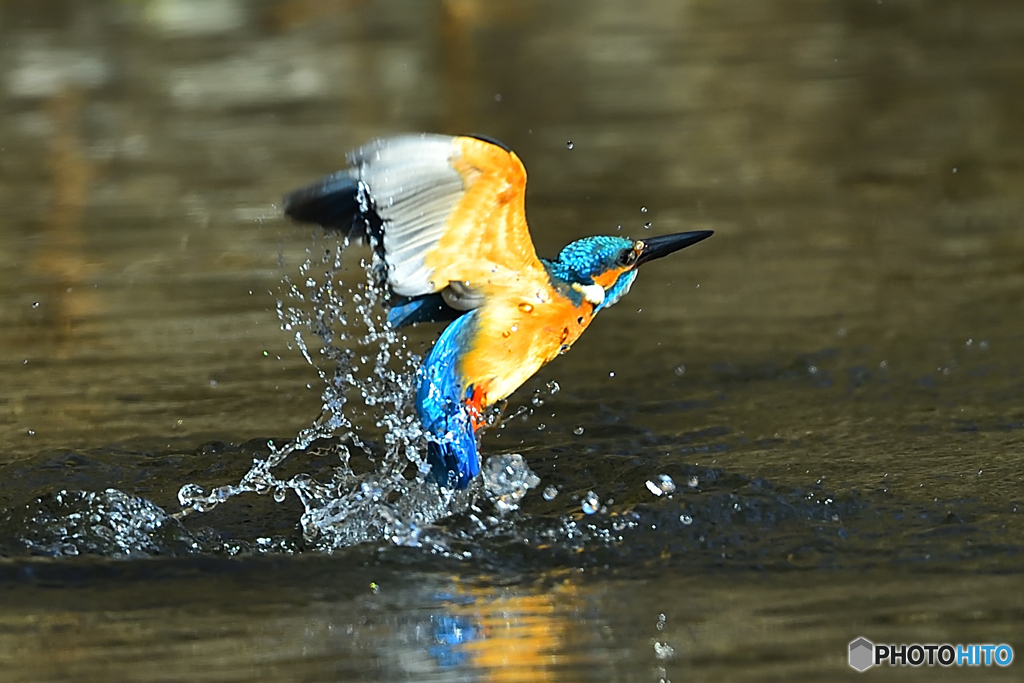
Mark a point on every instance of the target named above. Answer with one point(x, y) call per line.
point(449, 213)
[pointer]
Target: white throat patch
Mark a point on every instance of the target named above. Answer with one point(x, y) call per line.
point(592, 293)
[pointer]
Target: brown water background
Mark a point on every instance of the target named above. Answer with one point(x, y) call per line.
point(843, 359)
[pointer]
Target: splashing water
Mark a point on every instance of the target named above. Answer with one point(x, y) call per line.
point(378, 488)
point(109, 523)
point(507, 478)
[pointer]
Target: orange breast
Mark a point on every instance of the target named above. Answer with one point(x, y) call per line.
point(520, 330)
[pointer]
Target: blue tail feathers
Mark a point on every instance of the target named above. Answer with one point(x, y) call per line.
point(451, 451)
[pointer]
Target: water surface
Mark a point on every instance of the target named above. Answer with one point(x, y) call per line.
point(832, 383)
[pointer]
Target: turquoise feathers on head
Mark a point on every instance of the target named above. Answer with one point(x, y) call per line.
point(581, 260)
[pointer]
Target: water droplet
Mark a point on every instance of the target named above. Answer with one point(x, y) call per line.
point(693, 482)
point(661, 622)
point(280, 493)
point(578, 431)
point(568, 145)
point(31, 432)
point(590, 503)
point(647, 225)
point(549, 493)
point(686, 519)
point(525, 307)
point(611, 374)
point(680, 370)
point(541, 427)
point(661, 485)
point(553, 387)
point(664, 651)
point(35, 304)
point(643, 209)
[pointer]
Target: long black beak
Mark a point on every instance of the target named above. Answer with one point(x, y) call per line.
point(663, 245)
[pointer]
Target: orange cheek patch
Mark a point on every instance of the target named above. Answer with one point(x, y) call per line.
point(608, 279)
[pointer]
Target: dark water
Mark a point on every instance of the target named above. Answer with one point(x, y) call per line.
point(833, 383)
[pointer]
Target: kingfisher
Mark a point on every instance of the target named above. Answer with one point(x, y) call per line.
point(447, 215)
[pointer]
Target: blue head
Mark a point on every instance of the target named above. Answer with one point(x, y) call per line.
point(602, 269)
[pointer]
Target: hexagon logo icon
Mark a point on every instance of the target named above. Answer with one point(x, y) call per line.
point(862, 654)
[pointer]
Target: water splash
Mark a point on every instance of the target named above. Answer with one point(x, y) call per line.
point(108, 523)
point(378, 488)
point(507, 478)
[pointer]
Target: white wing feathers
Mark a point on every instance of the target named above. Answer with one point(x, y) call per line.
point(414, 189)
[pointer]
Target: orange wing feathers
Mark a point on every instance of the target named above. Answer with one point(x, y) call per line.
point(487, 226)
point(523, 324)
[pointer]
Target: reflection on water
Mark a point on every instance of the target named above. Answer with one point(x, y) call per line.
point(435, 629)
point(234, 625)
point(833, 388)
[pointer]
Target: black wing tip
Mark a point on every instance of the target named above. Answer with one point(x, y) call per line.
point(330, 202)
point(488, 139)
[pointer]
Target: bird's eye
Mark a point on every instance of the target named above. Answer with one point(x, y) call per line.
point(626, 258)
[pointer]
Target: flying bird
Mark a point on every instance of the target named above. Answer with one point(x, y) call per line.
point(447, 214)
